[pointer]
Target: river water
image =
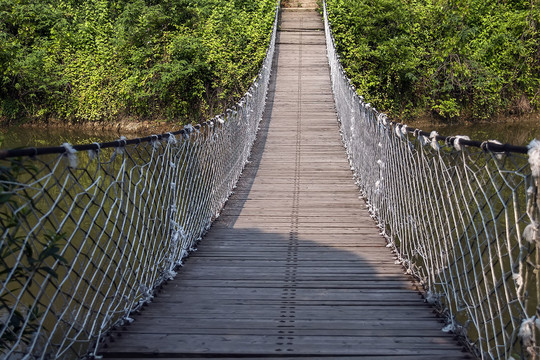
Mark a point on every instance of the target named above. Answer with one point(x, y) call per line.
point(515, 132)
point(518, 132)
point(17, 136)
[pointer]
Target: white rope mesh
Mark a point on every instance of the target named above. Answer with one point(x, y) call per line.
point(462, 219)
point(88, 235)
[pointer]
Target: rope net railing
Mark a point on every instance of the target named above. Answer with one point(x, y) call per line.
point(461, 216)
point(90, 231)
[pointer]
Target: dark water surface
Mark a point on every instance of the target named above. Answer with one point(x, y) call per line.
point(516, 132)
point(17, 136)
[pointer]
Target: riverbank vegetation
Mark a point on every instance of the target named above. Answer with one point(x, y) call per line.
point(445, 59)
point(97, 60)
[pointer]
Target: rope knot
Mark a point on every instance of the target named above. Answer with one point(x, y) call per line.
point(382, 118)
point(120, 149)
point(518, 279)
point(92, 154)
point(485, 146)
point(172, 139)
point(169, 274)
point(534, 157)
point(530, 233)
point(188, 129)
point(147, 294)
point(434, 143)
point(70, 153)
point(432, 298)
point(155, 142)
point(457, 141)
point(404, 129)
point(526, 332)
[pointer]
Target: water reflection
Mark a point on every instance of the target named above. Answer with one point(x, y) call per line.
point(519, 132)
point(17, 136)
point(516, 133)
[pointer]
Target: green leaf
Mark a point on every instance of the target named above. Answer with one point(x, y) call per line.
point(49, 270)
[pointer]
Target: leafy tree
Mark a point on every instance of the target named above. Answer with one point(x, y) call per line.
point(144, 59)
point(467, 59)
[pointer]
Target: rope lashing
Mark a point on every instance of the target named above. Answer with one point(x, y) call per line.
point(71, 155)
point(434, 143)
point(487, 145)
point(93, 153)
point(534, 157)
point(457, 141)
point(171, 139)
point(526, 333)
point(155, 142)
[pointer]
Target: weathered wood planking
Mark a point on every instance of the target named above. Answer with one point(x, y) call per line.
point(294, 267)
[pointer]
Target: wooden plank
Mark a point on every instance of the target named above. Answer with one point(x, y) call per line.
point(333, 327)
point(302, 273)
point(305, 345)
point(318, 315)
point(294, 267)
point(446, 356)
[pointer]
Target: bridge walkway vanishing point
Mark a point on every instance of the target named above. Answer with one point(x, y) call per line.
point(294, 266)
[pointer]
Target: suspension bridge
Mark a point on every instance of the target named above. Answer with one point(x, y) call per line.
point(283, 259)
point(294, 265)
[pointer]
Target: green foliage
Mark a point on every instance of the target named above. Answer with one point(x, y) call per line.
point(21, 261)
point(103, 59)
point(469, 59)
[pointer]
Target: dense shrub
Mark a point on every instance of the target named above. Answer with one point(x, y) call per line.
point(464, 59)
point(145, 59)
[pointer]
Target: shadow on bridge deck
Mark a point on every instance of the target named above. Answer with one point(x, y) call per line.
point(294, 267)
point(253, 294)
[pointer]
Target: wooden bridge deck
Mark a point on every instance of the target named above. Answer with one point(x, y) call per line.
point(294, 267)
